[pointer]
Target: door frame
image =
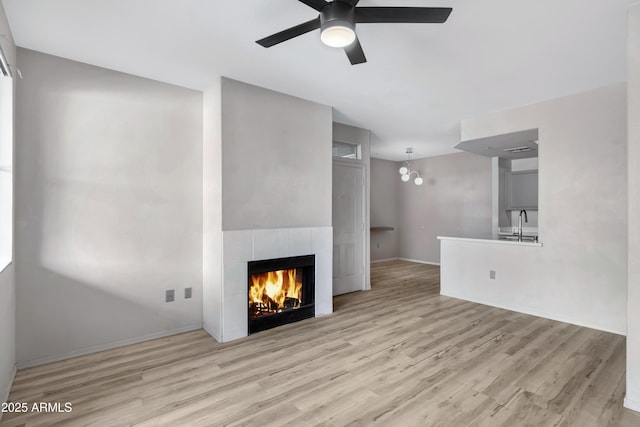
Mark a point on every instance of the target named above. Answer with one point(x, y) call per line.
point(363, 166)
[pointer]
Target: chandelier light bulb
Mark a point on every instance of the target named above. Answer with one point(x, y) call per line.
point(404, 170)
point(405, 177)
point(419, 181)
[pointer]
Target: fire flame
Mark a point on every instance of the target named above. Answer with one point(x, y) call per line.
point(274, 288)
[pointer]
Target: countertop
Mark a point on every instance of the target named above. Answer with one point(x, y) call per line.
point(491, 240)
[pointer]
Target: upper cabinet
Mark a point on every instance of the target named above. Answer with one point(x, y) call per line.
point(522, 190)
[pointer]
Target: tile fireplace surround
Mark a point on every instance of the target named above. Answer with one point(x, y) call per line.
point(241, 246)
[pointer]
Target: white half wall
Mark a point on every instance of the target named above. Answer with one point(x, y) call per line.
point(580, 273)
point(521, 273)
point(632, 399)
point(108, 208)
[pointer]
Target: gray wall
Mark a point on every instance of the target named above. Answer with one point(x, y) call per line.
point(276, 150)
point(455, 200)
point(7, 283)
point(633, 313)
point(108, 207)
point(581, 274)
point(385, 182)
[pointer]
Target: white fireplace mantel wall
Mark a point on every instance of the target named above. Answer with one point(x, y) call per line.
point(242, 246)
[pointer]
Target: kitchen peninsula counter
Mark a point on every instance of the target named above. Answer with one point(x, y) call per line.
point(491, 240)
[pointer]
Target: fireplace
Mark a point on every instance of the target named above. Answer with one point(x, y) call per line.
point(281, 291)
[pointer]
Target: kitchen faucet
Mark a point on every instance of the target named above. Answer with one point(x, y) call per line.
point(522, 211)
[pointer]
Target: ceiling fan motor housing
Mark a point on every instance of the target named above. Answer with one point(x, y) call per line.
point(337, 13)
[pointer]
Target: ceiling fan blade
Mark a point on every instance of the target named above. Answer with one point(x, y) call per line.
point(433, 15)
point(316, 4)
point(290, 33)
point(355, 53)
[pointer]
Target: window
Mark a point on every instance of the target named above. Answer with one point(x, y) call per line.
point(346, 151)
point(6, 166)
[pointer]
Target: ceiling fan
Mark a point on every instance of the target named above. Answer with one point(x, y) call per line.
point(338, 19)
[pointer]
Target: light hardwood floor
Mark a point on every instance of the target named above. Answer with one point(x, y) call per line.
point(397, 355)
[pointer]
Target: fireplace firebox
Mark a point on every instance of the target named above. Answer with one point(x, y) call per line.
point(281, 291)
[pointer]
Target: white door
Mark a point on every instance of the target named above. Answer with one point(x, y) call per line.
point(348, 227)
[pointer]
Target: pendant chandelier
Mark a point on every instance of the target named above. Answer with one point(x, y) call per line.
point(406, 171)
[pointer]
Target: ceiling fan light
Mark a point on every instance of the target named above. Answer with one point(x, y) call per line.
point(338, 36)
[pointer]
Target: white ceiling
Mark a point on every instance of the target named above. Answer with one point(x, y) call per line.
point(420, 81)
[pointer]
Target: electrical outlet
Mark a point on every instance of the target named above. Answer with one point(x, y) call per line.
point(170, 295)
point(492, 274)
point(187, 293)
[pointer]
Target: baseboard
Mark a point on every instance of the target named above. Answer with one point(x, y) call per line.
point(103, 347)
point(419, 261)
point(4, 394)
point(530, 312)
point(634, 405)
point(383, 260)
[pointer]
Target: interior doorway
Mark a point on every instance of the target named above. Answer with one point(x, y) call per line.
point(349, 226)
